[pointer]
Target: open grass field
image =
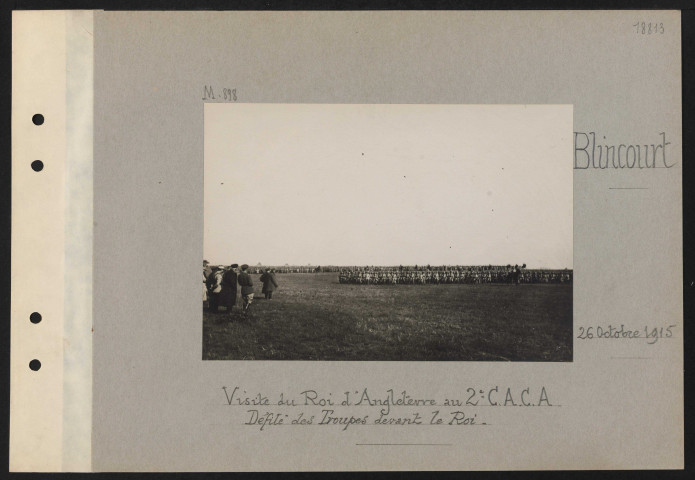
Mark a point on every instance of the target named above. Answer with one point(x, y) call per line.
point(313, 317)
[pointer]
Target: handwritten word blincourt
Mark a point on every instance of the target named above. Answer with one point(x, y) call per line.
point(588, 153)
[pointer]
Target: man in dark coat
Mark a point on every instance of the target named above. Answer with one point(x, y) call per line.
point(269, 283)
point(214, 284)
point(246, 283)
point(229, 280)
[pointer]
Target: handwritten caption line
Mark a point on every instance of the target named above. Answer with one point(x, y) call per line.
point(329, 417)
point(301, 409)
point(226, 425)
point(433, 405)
point(491, 396)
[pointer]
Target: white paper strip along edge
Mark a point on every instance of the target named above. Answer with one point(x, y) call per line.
point(44, 436)
point(77, 329)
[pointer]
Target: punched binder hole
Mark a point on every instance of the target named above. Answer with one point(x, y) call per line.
point(35, 365)
point(37, 165)
point(35, 317)
point(37, 119)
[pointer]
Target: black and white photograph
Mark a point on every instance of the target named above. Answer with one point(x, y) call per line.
point(431, 240)
point(387, 232)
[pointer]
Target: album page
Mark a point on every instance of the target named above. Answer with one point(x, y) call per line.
point(443, 240)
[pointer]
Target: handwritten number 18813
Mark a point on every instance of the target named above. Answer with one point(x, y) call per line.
point(648, 28)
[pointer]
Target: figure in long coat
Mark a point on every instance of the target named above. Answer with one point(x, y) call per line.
point(244, 279)
point(269, 283)
point(229, 287)
point(205, 291)
point(214, 284)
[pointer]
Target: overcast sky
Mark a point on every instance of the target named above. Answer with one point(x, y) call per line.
point(388, 184)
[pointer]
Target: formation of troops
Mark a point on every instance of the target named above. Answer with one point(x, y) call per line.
point(220, 282)
point(288, 269)
point(451, 275)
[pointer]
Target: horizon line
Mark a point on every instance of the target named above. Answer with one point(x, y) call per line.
point(260, 264)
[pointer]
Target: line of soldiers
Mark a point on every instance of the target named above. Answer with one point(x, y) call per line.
point(417, 268)
point(289, 269)
point(476, 275)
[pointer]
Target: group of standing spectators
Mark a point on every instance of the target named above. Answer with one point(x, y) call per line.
point(220, 286)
